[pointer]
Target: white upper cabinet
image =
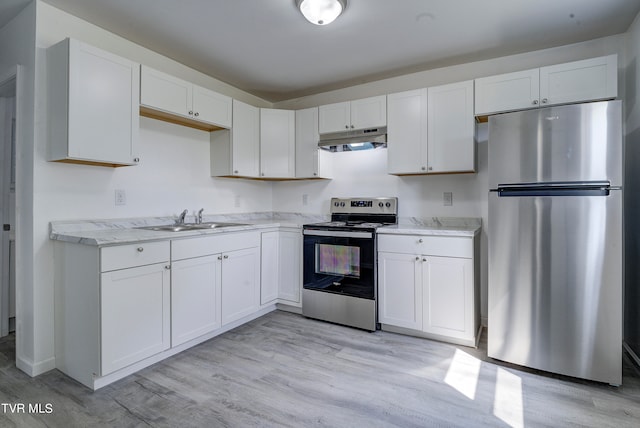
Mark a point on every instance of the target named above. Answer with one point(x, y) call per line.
point(431, 131)
point(92, 105)
point(277, 143)
point(169, 98)
point(311, 162)
point(590, 79)
point(506, 92)
point(578, 81)
point(407, 132)
point(236, 152)
point(451, 128)
point(359, 114)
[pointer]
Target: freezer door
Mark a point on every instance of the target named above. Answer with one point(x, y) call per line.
point(573, 143)
point(555, 284)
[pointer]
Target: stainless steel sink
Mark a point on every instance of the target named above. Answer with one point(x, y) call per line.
point(189, 226)
point(215, 225)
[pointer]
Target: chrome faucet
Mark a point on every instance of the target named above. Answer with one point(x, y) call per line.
point(181, 217)
point(199, 217)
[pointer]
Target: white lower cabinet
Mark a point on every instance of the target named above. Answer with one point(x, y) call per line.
point(281, 270)
point(134, 315)
point(427, 286)
point(240, 283)
point(195, 297)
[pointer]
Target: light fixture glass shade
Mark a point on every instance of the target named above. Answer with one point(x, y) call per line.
point(321, 12)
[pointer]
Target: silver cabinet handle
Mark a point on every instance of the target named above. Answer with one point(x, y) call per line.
point(226, 256)
point(219, 257)
point(430, 168)
point(535, 102)
point(424, 259)
point(136, 160)
point(190, 112)
point(235, 172)
point(352, 126)
point(424, 168)
point(140, 249)
point(167, 267)
point(196, 114)
point(417, 258)
point(544, 101)
point(420, 241)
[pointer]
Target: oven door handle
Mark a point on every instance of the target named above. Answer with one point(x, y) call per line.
point(337, 233)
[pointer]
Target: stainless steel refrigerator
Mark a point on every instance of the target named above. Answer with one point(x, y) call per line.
point(555, 240)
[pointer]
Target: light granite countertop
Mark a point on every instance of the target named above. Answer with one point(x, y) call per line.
point(435, 226)
point(126, 231)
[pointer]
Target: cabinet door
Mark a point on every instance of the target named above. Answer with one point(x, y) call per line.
point(451, 128)
point(369, 112)
point(407, 132)
point(399, 290)
point(290, 266)
point(245, 134)
point(307, 137)
point(195, 298)
point(162, 91)
point(134, 314)
point(240, 284)
point(270, 267)
point(506, 92)
point(93, 105)
point(211, 107)
point(448, 296)
point(277, 143)
point(587, 80)
point(334, 117)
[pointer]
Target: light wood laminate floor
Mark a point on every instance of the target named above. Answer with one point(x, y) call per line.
point(285, 370)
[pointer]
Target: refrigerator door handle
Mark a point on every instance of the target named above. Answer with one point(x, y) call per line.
point(556, 191)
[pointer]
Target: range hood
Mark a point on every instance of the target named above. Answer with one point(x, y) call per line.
point(362, 139)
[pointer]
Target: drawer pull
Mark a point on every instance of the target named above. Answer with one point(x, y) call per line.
point(225, 256)
point(140, 249)
point(420, 241)
point(424, 259)
point(417, 258)
point(167, 267)
point(219, 257)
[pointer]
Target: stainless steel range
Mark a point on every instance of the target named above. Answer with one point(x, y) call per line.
point(340, 264)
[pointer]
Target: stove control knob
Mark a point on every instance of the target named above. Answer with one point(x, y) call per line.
point(335, 204)
point(388, 204)
point(380, 204)
point(342, 204)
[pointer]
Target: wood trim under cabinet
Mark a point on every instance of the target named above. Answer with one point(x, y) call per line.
point(177, 119)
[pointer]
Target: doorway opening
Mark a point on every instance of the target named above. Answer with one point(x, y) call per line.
point(7, 205)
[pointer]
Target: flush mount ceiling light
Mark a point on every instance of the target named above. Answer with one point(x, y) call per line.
point(321, 12)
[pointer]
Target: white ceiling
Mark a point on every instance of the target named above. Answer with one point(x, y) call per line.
point(267, 48)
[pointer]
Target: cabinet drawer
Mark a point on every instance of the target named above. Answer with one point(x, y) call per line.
point(207, 245)
point(126, 256)
point(449, 246)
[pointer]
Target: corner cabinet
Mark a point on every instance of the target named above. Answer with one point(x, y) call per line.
point(578, 81)
point(350, 115)
point(311, 162)
point(431, 130)
point(428, 286)
point(236, 152)
point(168, 98)
point(93, 105)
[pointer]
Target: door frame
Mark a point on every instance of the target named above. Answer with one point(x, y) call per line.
point(12, 76)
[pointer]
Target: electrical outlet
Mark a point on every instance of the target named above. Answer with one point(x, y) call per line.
point(305, 199)
point(447, 199)
point(120, 197)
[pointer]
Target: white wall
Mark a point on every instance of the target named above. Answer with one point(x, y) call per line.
point(632, 187)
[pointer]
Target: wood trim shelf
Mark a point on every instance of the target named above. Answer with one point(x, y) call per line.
point(177, 119)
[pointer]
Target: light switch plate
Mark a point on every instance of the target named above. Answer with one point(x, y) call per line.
point(447, 199)
point(120, 197)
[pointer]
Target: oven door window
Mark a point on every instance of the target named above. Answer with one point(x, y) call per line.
point(340, 260)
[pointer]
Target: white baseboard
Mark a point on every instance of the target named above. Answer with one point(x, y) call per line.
point(35, 369)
